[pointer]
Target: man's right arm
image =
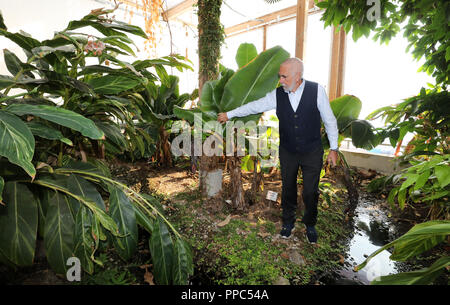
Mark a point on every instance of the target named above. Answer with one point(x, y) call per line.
point(266, 103)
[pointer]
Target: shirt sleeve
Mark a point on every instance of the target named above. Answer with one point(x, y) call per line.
point(328, 118)
point(266, 103)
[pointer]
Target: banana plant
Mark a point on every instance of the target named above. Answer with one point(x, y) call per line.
point(256, 76)
point(253, 80)
point(156, 104)
point(346, 109)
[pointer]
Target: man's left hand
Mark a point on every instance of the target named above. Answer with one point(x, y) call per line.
point(332, 157)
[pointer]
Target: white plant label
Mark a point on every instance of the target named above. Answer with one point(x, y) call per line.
point(272, 196)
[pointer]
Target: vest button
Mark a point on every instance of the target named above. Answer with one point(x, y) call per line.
point(295, 116)
point(295, 126)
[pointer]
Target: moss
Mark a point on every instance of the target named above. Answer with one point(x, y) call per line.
point(248, 252)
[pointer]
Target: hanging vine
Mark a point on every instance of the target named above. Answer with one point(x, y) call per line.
point(151, 11)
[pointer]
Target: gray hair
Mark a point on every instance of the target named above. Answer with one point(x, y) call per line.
point(296, 64)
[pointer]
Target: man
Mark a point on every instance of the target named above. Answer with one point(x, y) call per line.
point(300, 106)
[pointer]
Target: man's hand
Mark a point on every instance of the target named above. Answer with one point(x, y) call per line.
point(222, 117)
point(332, 157)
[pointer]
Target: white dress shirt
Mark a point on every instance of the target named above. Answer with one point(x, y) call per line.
point(269, 102)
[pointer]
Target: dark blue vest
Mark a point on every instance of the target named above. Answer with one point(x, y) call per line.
point(299, 130)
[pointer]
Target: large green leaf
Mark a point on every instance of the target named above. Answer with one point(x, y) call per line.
point(116, 42)
point(18, 224)
point(80, 187)
point(218, 89)
point(59, 182)
point(123, 213)
point(60, 116)
point(84, 242)
point(43, 51)
point(362, 134)
point(8, 81)
point(84, 167)
point(58, 81)
point(113, 134)
point(418, 239)
point(111, 84)
point(58, 232)
point(208, 100)
point(254, 80)
point(442, 173)
point(46, 132)
point(16, 142)
point(245, 53)
point(182, 266)
point(346, 109)
point(114, 28)
point(44, 196)
point(13, 64)
point(161, 249)
point(424, 276)
point(23, 40)
point(143, 219)
point(190, 114)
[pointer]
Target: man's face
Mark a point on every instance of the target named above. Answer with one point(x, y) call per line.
point(287, 77)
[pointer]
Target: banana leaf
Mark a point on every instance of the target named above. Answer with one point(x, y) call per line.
point(346, 109)
point(362, 134)
point(245, 53)
point(252, 82)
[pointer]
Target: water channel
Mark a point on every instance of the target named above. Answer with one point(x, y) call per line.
point(372, 230)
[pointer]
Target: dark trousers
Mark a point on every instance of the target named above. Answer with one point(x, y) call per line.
point(311, 165)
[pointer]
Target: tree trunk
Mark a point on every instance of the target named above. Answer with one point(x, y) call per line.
point(163, 154)
point(210, 38)
point(256, 183)
point(237, 191)
point(210, 176)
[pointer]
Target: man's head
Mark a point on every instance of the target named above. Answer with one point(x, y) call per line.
point(291, 73)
